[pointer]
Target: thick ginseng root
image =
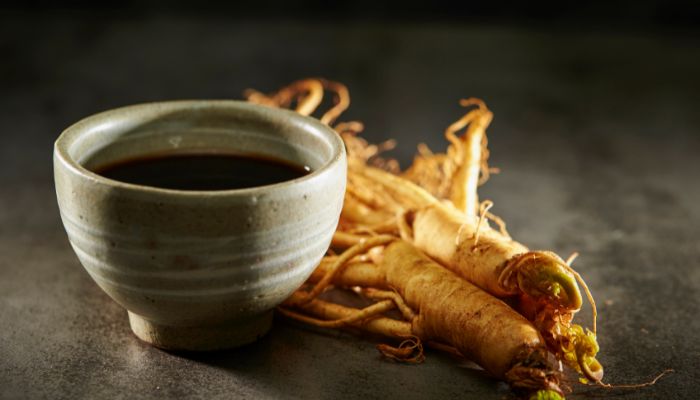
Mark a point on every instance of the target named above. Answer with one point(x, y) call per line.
point(497, 264)
point(474, 251)
point(481, 327)
point(441, 308)
point(367, 274)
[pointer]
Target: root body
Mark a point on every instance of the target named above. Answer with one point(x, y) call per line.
point(451, 310)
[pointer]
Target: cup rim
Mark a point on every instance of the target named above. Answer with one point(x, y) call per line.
point(75, 130)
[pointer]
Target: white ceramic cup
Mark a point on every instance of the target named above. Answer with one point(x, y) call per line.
point(199, 270)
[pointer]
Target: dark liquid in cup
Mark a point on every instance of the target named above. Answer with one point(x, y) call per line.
point(203, 171)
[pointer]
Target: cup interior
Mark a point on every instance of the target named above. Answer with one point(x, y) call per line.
point(229, 127)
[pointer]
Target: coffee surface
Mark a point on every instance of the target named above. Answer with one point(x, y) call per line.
point(203, 171)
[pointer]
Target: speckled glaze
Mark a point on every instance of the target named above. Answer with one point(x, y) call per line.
point(199, 270)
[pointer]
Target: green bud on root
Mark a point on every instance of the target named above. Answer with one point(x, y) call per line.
point(547, 278)
point(546, 394)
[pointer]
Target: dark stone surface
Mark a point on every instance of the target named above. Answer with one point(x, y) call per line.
point(597, 134)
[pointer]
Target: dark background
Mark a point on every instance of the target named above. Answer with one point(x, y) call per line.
point(596, 129)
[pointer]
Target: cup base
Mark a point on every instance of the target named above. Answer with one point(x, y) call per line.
point(202, 338)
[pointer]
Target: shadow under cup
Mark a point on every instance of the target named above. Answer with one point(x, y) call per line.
point(199, 270)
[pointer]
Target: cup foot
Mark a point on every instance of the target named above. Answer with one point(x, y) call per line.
point(204, 338)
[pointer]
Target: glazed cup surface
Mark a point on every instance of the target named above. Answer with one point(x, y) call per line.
point(199, 270)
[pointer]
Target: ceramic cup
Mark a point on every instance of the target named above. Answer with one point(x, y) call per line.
point(199, 270)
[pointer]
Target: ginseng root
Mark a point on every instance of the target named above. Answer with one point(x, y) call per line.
point(543, 286)
point(441, 308)
point(434, 205)
point(456, 174)
point(306, 95)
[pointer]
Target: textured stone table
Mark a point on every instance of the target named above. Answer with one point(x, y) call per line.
point(597, 134)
